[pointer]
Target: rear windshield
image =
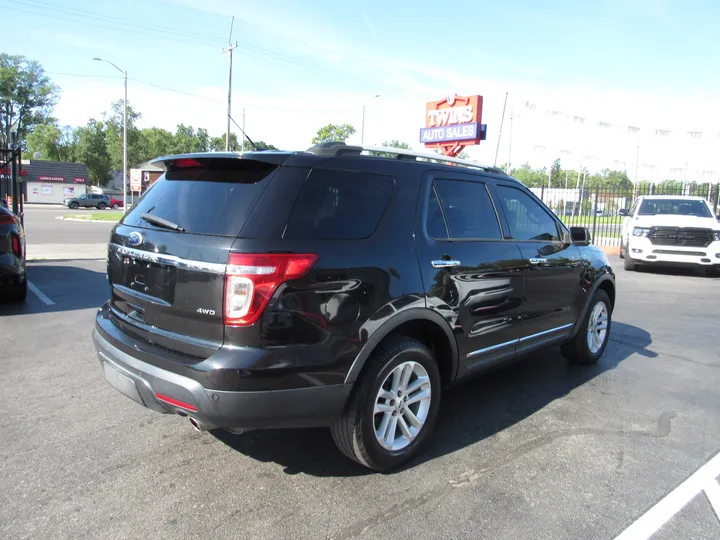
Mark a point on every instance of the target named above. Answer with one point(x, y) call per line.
point(679, 207)
point(215, 199)
point(339, 205)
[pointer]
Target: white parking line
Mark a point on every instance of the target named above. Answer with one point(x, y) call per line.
point(37, 292)
point(673, 502)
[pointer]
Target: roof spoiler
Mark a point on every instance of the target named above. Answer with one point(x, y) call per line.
point(199, 159)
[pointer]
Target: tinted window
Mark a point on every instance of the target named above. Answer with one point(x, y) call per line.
point(468, 211)
point(339, 205)
point(678, 207)
point(214, 199)
point(527, 219)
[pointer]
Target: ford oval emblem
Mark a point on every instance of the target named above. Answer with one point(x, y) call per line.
point(135, 238)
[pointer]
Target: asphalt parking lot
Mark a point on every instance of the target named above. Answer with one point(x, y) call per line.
point(539, 449)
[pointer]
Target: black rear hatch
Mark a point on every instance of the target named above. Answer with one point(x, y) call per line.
point(167, 257)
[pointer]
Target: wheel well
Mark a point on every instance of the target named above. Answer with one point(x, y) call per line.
point(609, 288)
point(434, 338)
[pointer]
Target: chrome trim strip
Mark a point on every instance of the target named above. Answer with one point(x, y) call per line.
point(515, 341)
point(488, 349)
point(170, 260)
point(546, 332)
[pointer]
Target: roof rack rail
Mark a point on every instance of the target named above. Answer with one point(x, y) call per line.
point(340, 148)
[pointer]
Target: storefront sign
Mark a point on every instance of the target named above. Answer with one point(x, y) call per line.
point(135, 180)
point(453, 123)
point(47, 189)
point(69, 191)
point(79, 180)
point(51, 178)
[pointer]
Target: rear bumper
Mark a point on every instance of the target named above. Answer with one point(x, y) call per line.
point(143, 382)
point(643, 251)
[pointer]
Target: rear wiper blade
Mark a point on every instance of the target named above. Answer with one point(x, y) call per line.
point(160, 222)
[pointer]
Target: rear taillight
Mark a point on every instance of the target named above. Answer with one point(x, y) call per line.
point(16, 245)
point(251, 280)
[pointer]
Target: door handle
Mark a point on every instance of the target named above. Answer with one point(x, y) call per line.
point(538, 261)
point(445, 264)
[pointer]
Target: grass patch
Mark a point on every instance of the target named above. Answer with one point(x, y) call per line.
point(98, 216)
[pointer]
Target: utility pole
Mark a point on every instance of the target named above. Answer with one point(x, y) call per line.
point(230, 48)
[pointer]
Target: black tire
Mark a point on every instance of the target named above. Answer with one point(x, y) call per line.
point(622, 249)
point(629, 264)
point(102, 206)
point(116, 206)
point(19, 292)
point(354, 431)
point(74, 205)
point(577, 350)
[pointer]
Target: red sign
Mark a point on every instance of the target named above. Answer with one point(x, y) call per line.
point(79, 180)
point(453, 123)
point(51, 178)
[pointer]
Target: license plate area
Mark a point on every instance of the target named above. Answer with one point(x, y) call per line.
point(122, 383)
point(156, 280)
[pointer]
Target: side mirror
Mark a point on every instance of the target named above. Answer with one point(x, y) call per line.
point(623, 212)
point(580, 236)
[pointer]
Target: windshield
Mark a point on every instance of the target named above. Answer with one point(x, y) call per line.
point(678, 207)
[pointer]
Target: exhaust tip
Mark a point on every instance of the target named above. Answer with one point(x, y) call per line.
point(200, 426)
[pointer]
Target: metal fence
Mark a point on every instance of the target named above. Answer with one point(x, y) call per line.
point(598, 208)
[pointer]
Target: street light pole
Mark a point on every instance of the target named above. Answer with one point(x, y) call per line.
point(362, 127)
point(125, 126)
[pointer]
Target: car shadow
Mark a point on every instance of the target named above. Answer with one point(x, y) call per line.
point(470, 412)
point(67, 284)
point(702, 273)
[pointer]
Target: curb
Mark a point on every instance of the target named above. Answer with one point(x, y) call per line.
point(87, 220)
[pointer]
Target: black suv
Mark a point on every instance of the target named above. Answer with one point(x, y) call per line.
point(336, 288)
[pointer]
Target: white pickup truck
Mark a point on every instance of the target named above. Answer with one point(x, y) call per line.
point(670, 230)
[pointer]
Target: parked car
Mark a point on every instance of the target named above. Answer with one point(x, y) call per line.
point(13, 265)
point(670, 230)
point(90, 200)
point(116, 203)
point(334, 288)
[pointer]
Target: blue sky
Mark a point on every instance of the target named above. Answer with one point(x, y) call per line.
point(300, 64)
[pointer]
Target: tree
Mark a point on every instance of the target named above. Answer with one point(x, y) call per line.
point(114, 133)
point(53, 143)
point(333, 133)
point(262, 145)
point(156, 142)
point(555, 174)
point(218, 143)
point(92, 149)
point(27, 96)
point(391, 144)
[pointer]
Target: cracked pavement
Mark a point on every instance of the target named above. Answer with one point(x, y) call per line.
point(538, 449)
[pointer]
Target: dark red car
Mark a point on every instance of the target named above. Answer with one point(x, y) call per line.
point(116, 203)
point(13, 266)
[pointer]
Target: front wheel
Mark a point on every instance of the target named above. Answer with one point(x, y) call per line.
point(629, 264)
point(393, 406)
point(74, 206)
point(116, 206)
point(589, 343)
point(622, 249)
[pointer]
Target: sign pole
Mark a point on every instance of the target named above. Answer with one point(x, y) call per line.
point(502, 120)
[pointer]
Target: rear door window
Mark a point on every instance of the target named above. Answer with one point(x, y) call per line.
point(339, 205)
point(215, 198)
point(461, 210)
point(527, 219)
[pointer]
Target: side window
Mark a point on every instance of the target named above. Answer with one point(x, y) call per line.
point(339, 205)
point(526, 218)
point(467, 211)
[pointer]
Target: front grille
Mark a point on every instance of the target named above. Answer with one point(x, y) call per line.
point(673, 236)
point(676, 252)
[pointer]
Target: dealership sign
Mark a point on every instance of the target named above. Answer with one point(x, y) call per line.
point(453, 123)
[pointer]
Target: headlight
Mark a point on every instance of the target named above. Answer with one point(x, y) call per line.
point(640, 231)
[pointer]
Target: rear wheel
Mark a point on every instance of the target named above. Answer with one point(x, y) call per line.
point(589, 343)
point(102, 206)
point(18, 293)
point(392, 408)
